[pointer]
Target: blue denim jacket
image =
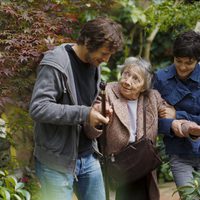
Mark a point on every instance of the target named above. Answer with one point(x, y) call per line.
point(185, 97)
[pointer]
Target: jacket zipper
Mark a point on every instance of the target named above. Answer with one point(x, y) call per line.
point(66, 88)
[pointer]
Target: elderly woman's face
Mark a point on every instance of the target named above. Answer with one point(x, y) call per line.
point(131, 83)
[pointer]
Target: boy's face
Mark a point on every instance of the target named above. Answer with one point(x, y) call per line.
point(97, 57)
point(131, 83)
point(184, 66)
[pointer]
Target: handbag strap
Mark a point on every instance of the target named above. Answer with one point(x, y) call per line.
point(144, 115)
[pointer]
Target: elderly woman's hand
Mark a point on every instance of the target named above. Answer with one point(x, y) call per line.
point(192, 128)
point(167, 111)
point(177, 128)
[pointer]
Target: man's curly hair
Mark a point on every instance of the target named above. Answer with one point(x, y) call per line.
point(100, 32)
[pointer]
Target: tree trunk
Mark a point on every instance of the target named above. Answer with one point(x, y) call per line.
point(149, 42)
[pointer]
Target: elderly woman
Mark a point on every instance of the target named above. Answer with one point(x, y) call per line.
point(126, 124)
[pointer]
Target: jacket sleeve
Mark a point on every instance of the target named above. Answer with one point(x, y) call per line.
point(91, 132)
point(164, 124)
point(184, 115)
point(44, 106)
point(180, 114)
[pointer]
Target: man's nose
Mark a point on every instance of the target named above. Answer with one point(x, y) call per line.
point(183, 67)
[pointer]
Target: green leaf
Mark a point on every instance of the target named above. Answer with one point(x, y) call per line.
point(2, 173)
point(19, 185)
point(189, 191)
point(4, 193)
point(25, 193)
point(198, 192)
point(10, 181)
point(104, 78)
point(196, 174)
point(105, 69)
point(16, 197)
point(1, 183)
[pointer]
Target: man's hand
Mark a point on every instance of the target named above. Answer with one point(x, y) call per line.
point(96, 118)
point(98, 107)
point(167, 111)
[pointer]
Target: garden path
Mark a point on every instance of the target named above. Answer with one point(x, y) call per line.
point(166, 191)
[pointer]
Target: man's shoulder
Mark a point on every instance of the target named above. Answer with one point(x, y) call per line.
point(153, 93)
point(57, 57)
point(166, 72)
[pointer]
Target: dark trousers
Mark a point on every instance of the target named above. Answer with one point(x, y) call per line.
point(133, 191)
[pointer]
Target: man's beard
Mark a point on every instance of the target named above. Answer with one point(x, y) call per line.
point(91, 61)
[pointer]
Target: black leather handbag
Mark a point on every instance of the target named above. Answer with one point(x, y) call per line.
point(134, 162)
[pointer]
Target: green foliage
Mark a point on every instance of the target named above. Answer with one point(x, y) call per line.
point(192, 190)
point(171, 13)
point(105, 72)
point(18, 121)
point(33, 186)
point(144, 20)
point(11, 188)
point(20, 135)
point(166, 13)
point(4, 145)
point(2, 128)
point(108, 75)
point(132, 13)
point(164, 171)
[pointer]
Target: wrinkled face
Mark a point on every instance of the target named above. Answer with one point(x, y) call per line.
point(184, 66)
point(131, 83)
point(97, 57)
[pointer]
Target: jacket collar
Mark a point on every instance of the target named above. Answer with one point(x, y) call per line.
point(123, 116)
point(119, 103)
point(195, 74)
point(115, 90)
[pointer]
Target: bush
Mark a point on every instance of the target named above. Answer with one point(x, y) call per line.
point(27, 30)
point(192, 190)
point(11, 189)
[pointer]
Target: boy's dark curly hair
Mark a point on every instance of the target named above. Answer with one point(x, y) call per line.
point(187, 44)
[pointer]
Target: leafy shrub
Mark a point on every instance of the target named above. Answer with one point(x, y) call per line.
point(192, 190)
point(11, 189)
point(164, 171)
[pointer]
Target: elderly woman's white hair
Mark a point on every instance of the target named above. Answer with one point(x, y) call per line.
point(143, 66)
point(127, 61)
point(130, 60)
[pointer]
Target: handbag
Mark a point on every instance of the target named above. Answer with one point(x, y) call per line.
point(135, 161)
